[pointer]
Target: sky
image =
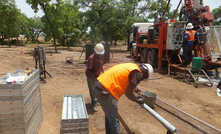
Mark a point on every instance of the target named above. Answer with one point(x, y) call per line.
point(26, 9)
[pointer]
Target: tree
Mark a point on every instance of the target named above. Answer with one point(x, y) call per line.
point(9, 21)
point(110, 20)
point(71, 23)
point(46, 6)
point(62, 20)
point(158, 9)
point(217, 15)
point(31, 28)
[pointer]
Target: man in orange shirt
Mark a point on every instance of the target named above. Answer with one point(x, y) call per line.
point(112, 84)
point(189, 38)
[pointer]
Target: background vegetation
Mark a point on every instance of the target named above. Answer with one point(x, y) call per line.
point(68, 22)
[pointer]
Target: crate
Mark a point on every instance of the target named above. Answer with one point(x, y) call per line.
point(74, 115)
point(21, 110)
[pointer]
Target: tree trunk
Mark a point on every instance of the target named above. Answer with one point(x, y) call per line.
point(55, 46)
point(128, 42)
point(115, 43)
point(36, 39)
point(50, 25)
point(9, 43)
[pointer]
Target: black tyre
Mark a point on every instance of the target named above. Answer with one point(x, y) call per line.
point(143, 55)
point(152, 57)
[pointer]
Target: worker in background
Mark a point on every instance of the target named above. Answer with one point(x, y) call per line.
point(189, 37)
point(112, 84)
point(94, 69)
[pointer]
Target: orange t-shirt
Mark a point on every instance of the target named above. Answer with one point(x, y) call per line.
point(116, 79)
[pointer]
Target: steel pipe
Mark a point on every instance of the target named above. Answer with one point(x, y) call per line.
point(189, 115)
point(164, 122)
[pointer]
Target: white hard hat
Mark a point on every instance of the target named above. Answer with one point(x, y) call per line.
point(189, 26)
point(207, 29)
point(99, 49)
point(149, 68)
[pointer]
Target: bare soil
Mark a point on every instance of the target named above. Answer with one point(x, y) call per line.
point(67, 79)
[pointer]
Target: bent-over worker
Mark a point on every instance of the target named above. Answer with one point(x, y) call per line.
point(112, 84)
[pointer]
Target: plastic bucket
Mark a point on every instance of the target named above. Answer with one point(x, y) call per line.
point(197, 63)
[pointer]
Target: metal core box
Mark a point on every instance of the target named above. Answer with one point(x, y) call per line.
point(74, 115)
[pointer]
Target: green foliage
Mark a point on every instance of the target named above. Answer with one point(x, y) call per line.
point(110, 20)
point(71, 21)
point(9, 15)
point(14, 23)
point(31, 28)
point(217, 15)
point(62, 20)
point(157, 8)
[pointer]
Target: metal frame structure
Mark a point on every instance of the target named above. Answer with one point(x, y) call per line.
point(40, 61)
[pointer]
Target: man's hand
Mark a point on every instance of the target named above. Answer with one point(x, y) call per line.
point(140, 100)
point(137, 90)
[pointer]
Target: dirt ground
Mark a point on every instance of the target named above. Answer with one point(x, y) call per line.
point(67, 79)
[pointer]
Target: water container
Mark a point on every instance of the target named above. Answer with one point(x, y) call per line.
point(197, 63)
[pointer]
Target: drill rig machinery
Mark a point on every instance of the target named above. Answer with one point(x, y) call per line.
point(164, 39)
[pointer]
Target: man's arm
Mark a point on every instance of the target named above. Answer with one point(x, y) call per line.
point(90, 64)
point(134, 78)
point(102, 68)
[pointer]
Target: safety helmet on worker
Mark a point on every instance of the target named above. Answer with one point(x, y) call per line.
point(147, 69)
point(189, 26)
point(99, 49)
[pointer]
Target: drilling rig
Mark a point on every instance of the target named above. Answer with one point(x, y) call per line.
point(164, 39)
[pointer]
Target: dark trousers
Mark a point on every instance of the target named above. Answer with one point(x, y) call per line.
point(187, 54)
point(110, 108)
point(91, 86)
